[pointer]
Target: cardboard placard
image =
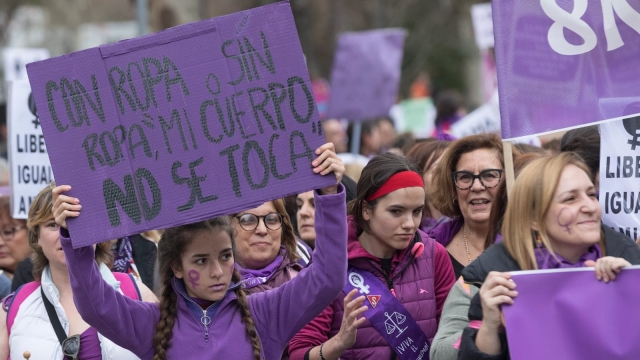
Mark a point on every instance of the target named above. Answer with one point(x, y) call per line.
point(196, 121)
point(366, 74)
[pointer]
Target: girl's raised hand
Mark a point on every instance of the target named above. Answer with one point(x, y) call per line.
point(64, 206)
point(326, 163)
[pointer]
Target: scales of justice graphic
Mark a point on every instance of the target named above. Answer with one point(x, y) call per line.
point(393, 323)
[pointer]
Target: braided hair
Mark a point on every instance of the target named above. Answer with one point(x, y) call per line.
point(246, 317)
point(171, 246)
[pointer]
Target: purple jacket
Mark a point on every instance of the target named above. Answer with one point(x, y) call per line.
point(445, 232)
point(278, 314)
point(421, 283)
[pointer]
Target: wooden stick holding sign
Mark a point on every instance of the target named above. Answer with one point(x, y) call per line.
point(507, 150)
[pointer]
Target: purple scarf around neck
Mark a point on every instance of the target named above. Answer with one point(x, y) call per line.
point(547, 261)
point(266, 273)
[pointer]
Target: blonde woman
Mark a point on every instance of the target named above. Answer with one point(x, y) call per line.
point(553, 220)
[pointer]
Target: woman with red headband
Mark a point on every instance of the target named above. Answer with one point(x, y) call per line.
point(398, 277)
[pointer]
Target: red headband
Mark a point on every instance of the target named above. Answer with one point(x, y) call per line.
point(401, 180)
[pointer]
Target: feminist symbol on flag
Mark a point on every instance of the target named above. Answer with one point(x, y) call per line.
point(632, 125)
point(358, 281)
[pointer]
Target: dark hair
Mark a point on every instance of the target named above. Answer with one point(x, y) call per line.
point(552, 147)
point(404, 142)
point(387, 119)
point(374, 175)
point(586, 143)
point(367, 129)
point(171, 246)
point(447, 105)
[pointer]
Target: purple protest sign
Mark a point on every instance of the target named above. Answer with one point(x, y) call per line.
point(200, 120)
point(366, 74)
point(558, 59)
point(568, 314)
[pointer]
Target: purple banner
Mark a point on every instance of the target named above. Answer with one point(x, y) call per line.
point(558, 59)
point(568, 314)
point(366, 74)
point(197, 121)
point(388, 316)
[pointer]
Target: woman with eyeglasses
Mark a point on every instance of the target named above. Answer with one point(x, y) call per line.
point(266, 249)
point(41, 317)
point(553, 221)
point(465, 185)
point(14, 246)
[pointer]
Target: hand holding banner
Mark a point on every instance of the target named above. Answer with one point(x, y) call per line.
point(197, 121)
point(568, 314)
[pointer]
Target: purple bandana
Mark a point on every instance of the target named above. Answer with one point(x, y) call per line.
point(547, 261)
point(123, 255)
point(251, 278)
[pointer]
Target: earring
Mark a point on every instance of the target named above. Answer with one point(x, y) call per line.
point(539, 241)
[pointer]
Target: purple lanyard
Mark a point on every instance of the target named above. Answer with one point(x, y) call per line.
point(388, 316)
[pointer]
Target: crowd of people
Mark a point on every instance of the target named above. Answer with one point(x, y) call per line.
point(414, 231)
point(428, 228)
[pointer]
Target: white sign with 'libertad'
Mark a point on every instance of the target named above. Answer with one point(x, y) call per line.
point(30, 167)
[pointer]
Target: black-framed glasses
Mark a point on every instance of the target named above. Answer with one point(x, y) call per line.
point(489, 178)
point(8, 233)
point(71, 347)
point(249, 222)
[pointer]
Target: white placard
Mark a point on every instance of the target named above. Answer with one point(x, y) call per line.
point(620, 175)
point(16, 59)
point(482, 25)
point(30, 167)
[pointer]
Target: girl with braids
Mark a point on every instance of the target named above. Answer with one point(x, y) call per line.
point(204, 312)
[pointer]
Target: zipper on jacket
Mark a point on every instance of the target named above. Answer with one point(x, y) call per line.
point(205, 320)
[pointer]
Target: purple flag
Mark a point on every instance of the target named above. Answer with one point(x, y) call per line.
point(558, 59)
point(200, 120)
point(366, 74)
point(568, 314)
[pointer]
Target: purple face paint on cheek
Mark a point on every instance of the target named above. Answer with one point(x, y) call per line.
point(194, 277)
point(565, 218)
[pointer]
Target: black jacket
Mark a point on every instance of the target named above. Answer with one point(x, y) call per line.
point(145, 253)
point(497, 258)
